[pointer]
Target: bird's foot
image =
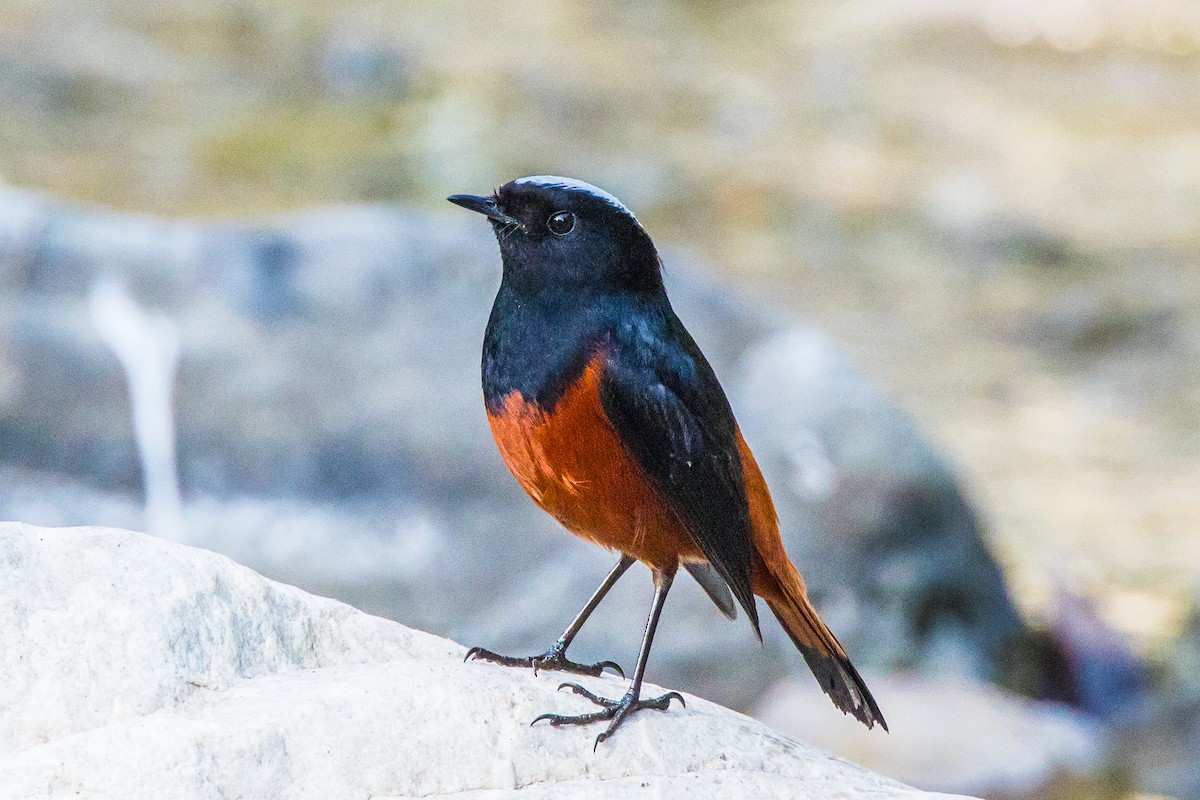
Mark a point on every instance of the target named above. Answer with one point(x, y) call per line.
point(553, 659)
point(613, 710)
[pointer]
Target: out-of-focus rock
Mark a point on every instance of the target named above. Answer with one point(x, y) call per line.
point(1160, 747)
point(331, 432)
point(138, 668)
point(1109, 680)
point(954, 736)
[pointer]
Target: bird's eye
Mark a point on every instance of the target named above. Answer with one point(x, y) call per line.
point(561, 223)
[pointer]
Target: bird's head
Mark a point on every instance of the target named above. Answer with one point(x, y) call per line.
point(567, 232)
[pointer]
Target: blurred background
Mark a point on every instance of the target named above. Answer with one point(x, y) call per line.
point(942, 253)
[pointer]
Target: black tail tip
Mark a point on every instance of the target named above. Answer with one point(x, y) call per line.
point(868, 715)
point(846, 688)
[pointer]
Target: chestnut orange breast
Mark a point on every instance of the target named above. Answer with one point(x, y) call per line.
point(571, 462)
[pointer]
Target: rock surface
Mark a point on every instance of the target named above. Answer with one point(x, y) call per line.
point(136, 667)
point(330, 433)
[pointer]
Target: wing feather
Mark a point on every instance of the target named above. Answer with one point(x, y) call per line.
point(672, 415)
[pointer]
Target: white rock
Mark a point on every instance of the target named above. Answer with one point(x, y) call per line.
point(134, 667)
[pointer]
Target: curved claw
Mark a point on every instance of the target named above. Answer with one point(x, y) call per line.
point(614, 666)
point(669, 696)
point(582, 692)
point(474, 651)
point(541, 717)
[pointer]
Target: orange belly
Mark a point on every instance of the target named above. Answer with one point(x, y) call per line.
point(570, 461)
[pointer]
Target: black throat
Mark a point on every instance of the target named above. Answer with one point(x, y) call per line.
point(539, 342)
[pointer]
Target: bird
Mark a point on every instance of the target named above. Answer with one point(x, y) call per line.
point(611, 419)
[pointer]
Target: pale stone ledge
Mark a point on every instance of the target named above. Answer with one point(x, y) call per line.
point(134, 667)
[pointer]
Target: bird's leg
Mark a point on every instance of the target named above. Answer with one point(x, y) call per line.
point(556, 657)
point(617, 710)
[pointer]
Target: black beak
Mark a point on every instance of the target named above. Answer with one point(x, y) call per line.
point(482, 205)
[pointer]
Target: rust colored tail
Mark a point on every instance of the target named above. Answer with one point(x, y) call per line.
point(820, 648)
point(776, 580)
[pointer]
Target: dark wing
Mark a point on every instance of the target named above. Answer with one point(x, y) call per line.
point(670, 412)
point(714, 586)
